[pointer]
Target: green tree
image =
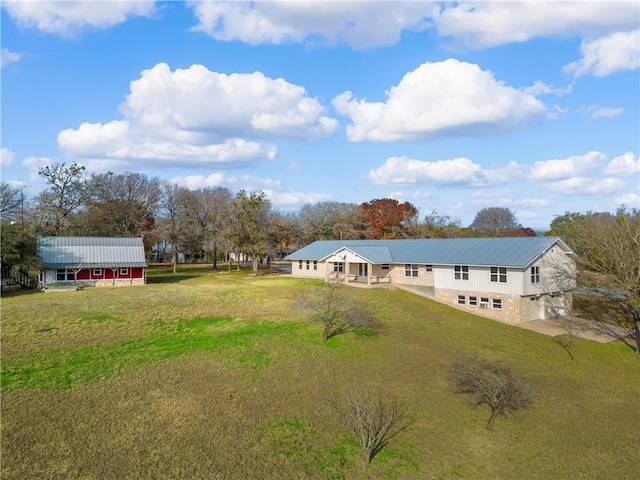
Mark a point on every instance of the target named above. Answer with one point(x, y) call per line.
point(251, 213)
point(493, 220)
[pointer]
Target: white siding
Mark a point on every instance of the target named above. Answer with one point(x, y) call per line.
point(557, 273)
point(479, 280)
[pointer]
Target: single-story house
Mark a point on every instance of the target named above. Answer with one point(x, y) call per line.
point(91, 261)
point(513, 280)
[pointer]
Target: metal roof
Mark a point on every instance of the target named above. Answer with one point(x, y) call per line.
point(502, 251)
point(91, 252)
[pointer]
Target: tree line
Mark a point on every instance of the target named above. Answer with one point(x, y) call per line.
point(209, 222)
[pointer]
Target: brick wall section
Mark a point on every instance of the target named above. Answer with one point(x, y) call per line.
point(424, 278)
point(514, 308)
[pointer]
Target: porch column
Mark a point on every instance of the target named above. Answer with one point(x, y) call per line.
point(369, 268)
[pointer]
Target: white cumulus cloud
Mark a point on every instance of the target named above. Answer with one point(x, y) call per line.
point(605, 56)
point(631, 200)
point(7, 57)
point(6, 157)
point(358, 24)
point(194, 182)
point(198, 116)
point(483, 24)
point(575, 165)
point(585, 186)
point(289, 199)
point(456, 171)
point(625, 165)
point(440, 99)
point(70, 17)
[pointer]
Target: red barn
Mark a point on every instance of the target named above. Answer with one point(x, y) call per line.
point(91, 261)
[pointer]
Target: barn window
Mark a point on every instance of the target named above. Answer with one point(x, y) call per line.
point(499, 274)
point(65, 275)
point(124, 271)
point(461, 272)
point(97, 272)
point(535, 274)
point(410, 270)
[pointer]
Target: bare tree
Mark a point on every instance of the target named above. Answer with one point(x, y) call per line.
point(125, 204)
point(67, 191)
point(492, 220)
point(176, 219)
point(493, 385)
point(372, 417)
point(609, 246)
point(574, 327)
point(11, 198)
point(335, 307)
point(283, 230)
point(437, 225)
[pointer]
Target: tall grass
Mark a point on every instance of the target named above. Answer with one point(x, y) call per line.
point(217, 375)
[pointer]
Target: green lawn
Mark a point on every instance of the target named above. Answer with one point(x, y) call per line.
point(218, 375)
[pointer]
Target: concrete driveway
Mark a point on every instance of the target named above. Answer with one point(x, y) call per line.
point(595, 331)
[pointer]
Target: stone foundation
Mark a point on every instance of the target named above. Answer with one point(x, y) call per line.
point(514, 309)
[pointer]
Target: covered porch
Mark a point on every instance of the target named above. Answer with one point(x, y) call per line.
point(351, 267)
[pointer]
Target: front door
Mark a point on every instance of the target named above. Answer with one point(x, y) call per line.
point(363, 269)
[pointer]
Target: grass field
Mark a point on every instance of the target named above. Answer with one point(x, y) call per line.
point(218, 375)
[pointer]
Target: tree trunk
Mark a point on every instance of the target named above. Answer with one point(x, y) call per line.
point(174, 260)
point(215, 256)
point(256, 260)
point(636, 321)
point(326, 331)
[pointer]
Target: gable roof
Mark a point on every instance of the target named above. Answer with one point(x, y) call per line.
point(91, 252)
point(503, 251)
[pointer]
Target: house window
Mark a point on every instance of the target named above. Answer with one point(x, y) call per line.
point(307, 264)
point(473, 301)
point(124, 271)
point(497, 303)
point(384, 266)
point(315, 264)
point(410, 270)
point(299, 264)
point(484, 302)
point(338, 267)
point(499, 274)
point(428, 268)
point(461, 272)
point(97, 272)
point(462, 300)
point(63, 275)
point(535, 274)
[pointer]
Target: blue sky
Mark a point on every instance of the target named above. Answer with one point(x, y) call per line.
point(450, 106)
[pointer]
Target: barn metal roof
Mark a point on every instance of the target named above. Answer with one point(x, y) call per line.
point(503, 251)
point(91, 252)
